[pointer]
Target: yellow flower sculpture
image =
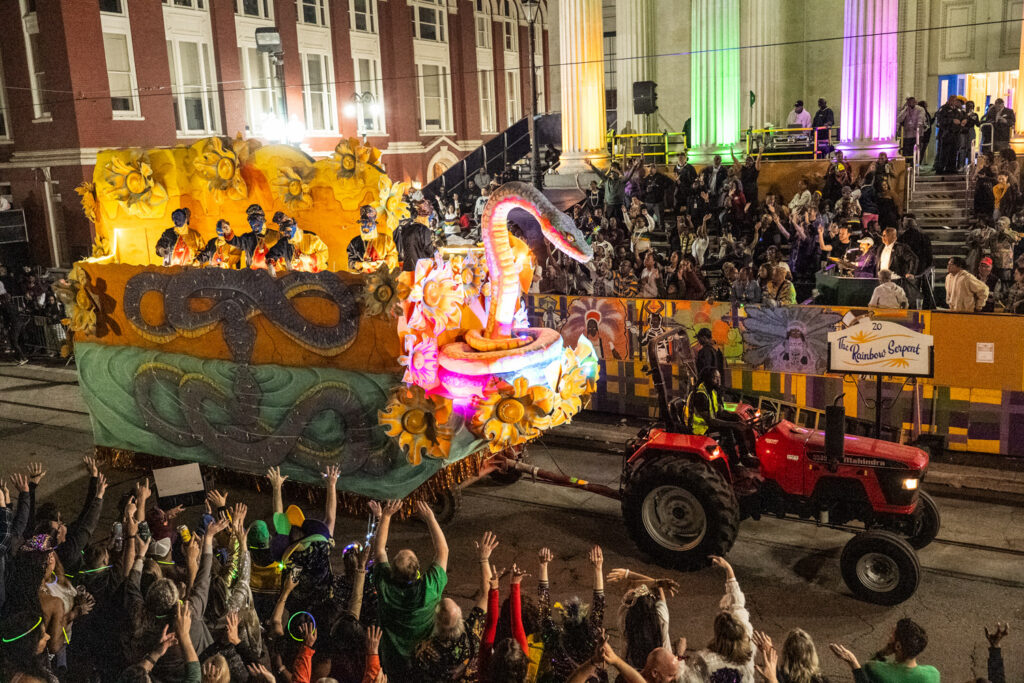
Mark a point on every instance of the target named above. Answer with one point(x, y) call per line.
point(101, 248)
point(352, 158)
point(435, 295)
point(292, 187)
point(244, 148)
point(87, 191)
point(420, 361)
point(473, 273)
point(569, 389)
point(390, 202)
point(131, 183)
point(513, 414)
point(420, 423)
point(79, 305)
point(220, 168)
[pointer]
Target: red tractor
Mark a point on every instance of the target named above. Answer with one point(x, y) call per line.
point(683, 501)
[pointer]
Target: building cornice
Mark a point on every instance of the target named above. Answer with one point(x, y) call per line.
point(83, 156)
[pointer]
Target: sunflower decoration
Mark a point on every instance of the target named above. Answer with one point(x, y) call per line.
point(220, 167)
point(513, 413)
point(586, 358)
point(382, 291)
point(131, 183)
point(244, 148)
point(344, 157)
point(87, 191)
point(473, 273)
point(420, 361)
point(80, 307)
point(391, 201)
point(569, 389)
point(420, 423)
point(292, 187)
point(436, 296)
point(101, 248)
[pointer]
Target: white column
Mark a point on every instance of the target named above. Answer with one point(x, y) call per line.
point(761, 67)
point(1018, 93)
point(581, 52)
point(715, 75)
point(633, 31)
point(867, 122)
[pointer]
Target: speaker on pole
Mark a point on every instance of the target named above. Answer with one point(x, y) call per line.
point(645, 97)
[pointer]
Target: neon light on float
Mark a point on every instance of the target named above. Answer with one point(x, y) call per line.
point(869, 106)
point(715, 72)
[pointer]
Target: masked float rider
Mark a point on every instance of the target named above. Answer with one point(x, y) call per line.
point(218, 253)
point(180, 245)
point(299, 249)
point(707, 413)
point(415, 238)
point(370, 250)
point(256, 245)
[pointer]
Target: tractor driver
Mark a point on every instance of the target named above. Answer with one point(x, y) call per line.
point(707, 412)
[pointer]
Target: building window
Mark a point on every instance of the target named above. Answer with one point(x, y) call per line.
point(313, 12)
point(193, 89)
point(487, 117)
point(253, 8)
point(509, 25)
point(319, 92)
point(512, 97)
point(367, 70)
point(37, 75)
point(112, 6)
point(364, 15)
point(483, 24)
point(430, 17)
point(435, 99)
point(259, 87)
point(187, 4)
point(120, 74)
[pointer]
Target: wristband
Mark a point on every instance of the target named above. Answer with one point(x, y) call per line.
point(627, 575)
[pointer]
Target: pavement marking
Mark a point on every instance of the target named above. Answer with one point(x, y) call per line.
point(42, 407)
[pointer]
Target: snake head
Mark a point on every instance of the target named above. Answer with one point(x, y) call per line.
point(561, 231)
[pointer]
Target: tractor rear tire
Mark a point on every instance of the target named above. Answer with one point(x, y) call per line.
point(446, 506)
point(880, 567)
point(680, 511)
point(927, 521)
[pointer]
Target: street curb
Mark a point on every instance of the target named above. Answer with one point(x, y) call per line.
point(943, 478)
point(40, 373)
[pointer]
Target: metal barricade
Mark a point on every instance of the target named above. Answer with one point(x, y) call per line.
point(658, 146)
point(769, 141)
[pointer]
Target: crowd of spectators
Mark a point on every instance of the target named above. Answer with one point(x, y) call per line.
point(224, 598)
point(30, 315)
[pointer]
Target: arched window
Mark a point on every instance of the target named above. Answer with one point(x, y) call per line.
point(509, 12)
point(482, 16)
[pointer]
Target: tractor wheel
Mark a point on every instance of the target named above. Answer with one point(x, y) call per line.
point(447, 505)
point(926, 521)
point(880, 567)
point(680, 511)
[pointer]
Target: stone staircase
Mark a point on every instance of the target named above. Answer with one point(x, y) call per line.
point(942, 206)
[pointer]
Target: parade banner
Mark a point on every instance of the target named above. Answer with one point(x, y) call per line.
point(879, 347)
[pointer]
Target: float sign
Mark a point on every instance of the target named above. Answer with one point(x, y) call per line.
point(875, 347)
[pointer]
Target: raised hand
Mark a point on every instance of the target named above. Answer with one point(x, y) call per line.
point(258, 671)
point(217, 499)
point(141, 547)
point(129, 509)
point(101, 485)
point(4, 496)
point(424, 511)
point(175, 511)
point(486, 546)
point(192, 551)
point(20, 482)
point(214, 528)
point(844, 654)
point(762, 640)
point(375, 509)
point(183, 620)
point(495, 579)
point(84, 603)
point(90, 464)
point(373, 636)
point(670, 586)
point(142, 491)
point(308, 633)
point(209, 670)
point(275, 477)
point(721, 563)
point(770, 666)
point(518, 573)
point(238, 513)
point(393, 507)
point(994, 637)
point(332, 473)
point(544, 556)
point(167, 639)
point(596, 557)
point(616, 575)
point(36, 472)
point(231, 628)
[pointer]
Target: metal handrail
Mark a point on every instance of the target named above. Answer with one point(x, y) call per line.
point(815, 152)
point(614, 140)
point(991, 137)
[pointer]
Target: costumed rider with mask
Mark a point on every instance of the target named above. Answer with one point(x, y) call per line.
point(299, 250)
point(415, 238)
point(256, 244)
point(180, 245)
point(218, 253)
point(707, 414)
point(370, 249)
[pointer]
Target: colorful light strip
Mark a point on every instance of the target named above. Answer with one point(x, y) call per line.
point(34, 627)
point(715, 72)
point(292, 617)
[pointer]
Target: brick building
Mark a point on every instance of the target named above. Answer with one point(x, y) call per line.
point(77, 76)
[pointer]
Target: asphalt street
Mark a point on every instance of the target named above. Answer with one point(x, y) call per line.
point(973, 574)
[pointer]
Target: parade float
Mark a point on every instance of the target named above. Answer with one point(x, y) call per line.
point(409, 381)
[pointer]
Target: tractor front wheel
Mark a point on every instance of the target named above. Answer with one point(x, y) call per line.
point(680, 511)
point(927, 521)
point(880, 567)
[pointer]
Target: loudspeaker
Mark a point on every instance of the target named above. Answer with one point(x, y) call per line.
point(645, 97)
point(835, 432)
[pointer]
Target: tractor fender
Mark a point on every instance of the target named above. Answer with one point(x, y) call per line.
point(663, 444)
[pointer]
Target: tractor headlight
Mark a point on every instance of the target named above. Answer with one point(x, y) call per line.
point(910, 484)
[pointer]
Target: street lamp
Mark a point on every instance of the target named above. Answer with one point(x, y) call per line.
point(356, 108)
point(532, 8)
point(268, 40)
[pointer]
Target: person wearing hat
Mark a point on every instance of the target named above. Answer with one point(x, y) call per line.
point(799, 117)
point(824, 121)
point(180, 245)
point(992, 281)
point(371, 249)
point(256, 245)
point(708, 355)
point(951, 121)
point(299, 250)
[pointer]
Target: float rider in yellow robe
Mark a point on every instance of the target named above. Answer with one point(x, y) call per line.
point(370, 250)
point(180, 245)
